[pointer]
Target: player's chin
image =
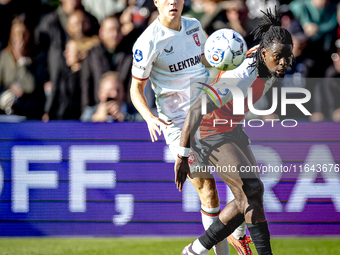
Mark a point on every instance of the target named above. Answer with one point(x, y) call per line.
point(280, 74)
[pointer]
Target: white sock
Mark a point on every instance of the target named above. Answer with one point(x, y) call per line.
point(240, 231)
point(199, 248)
point(209, 216)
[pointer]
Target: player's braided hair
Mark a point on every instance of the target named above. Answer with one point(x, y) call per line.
point(269, 31)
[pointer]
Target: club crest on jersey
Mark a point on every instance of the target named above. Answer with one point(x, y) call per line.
point(138, 55)
point(192, 160)
point(197, 40)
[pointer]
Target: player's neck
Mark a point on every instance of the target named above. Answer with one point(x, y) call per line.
point(264, 73)
point(174, 24)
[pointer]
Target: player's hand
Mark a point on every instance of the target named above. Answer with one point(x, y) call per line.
point(182, 170)
point(154, 125)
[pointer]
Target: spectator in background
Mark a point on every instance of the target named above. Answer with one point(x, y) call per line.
point(228, 14)
point(113, 53)
point(51, 34)
point(237, 15)
point(9, 9)
point(22, 74)
point(134, 17)
point(104, 8)
point(199, 8)
point(255, 7)
point(78, 26)
point(52, 30)
point(111, 106)
point(319, 21)
point(303, 62)
point(64, 101)
point(328, 91)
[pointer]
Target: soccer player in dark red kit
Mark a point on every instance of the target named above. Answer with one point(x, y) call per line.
point(228, 145)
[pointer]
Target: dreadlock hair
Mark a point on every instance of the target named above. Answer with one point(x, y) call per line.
point(269, 31)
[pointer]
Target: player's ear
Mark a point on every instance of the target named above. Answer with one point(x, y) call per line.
point(264, 54)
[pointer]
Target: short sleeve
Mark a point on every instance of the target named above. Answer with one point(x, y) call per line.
point(203, 38)
point(143, 58)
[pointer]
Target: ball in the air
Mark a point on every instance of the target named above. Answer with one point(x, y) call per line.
point(225, 49)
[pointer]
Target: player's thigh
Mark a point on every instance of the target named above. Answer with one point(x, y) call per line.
point(233, 162)
point(249, 154)
point(230, 161)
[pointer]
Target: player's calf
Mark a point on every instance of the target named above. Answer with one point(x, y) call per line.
point(260, 234)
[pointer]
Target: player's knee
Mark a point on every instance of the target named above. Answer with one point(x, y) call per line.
point(241, 201)
point(212, 195)
point(253, 189)
point(209, 196)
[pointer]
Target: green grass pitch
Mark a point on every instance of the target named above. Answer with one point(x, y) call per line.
point(154, 246)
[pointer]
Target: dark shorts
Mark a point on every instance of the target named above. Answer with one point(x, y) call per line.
point(211, 143)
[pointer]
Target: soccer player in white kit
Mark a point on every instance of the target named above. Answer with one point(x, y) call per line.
point(169, 53)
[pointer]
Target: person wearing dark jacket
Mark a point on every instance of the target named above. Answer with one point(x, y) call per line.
point(64, 101)
point(51, 34)
point(112, 54)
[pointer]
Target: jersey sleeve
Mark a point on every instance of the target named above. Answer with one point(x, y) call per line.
point(143, 58)
point(203, 37)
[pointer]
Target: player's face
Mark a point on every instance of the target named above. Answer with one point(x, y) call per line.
point(170, 9)
point(277, 58)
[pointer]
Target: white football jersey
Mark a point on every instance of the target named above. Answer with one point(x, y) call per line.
point(170, 59)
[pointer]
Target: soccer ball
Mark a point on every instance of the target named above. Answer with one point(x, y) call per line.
point(225, 49)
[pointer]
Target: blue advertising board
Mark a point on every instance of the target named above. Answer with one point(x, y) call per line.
point(109, 179)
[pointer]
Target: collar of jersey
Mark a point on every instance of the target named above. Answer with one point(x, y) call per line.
point(169, 30)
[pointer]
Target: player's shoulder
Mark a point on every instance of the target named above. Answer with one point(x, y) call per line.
point(153, 35)
point(189, 20)
point(148, 39)
point(191, 24)
point(245, 70)
point(149, 33)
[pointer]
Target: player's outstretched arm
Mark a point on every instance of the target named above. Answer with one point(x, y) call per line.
point(191, 124)
point(140, 102)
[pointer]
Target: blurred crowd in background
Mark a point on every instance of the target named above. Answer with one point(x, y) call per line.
point(71, 59)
